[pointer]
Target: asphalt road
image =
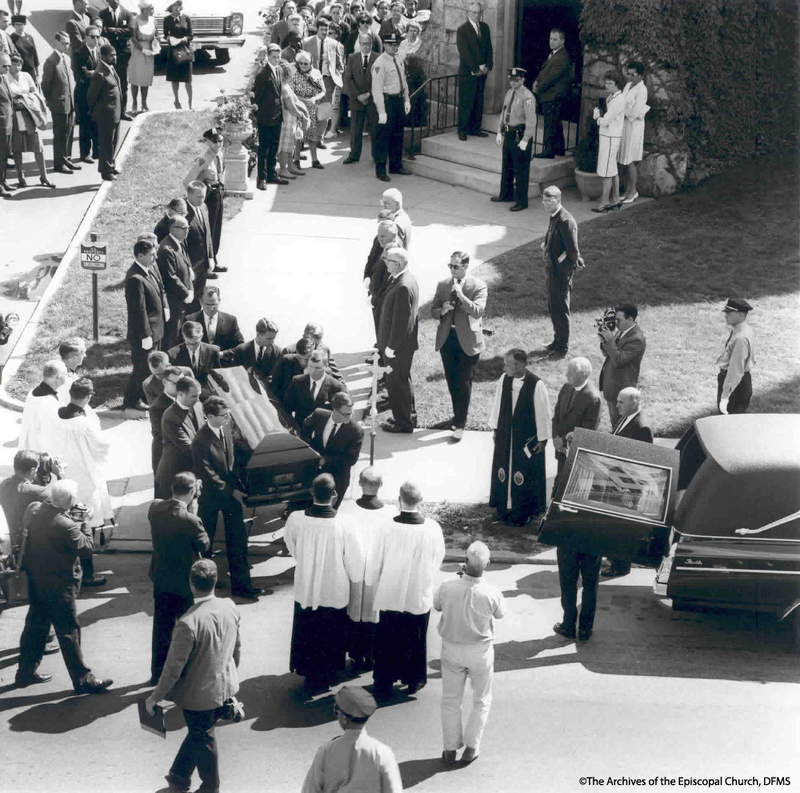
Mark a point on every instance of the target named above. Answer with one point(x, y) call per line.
point(652, 694)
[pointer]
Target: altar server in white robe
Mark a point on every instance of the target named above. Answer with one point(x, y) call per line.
point(41, 409)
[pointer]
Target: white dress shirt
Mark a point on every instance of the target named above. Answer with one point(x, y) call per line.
point(211, 326)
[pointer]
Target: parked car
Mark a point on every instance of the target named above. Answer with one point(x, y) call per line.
point(216, 26)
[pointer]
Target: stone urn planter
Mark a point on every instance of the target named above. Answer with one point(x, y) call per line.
point(590, 185)
point(236, 158)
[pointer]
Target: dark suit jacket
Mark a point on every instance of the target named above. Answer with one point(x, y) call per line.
point(246, 355)
point(162, 228)
point(153, 388)
point(27, 51)
point(555, 77)
point(58, 84)
point(179, 540)
point(622, 364)
point(342, 451)
point(84, 63)
point(144, 297)
point(297, 399)
point(104, 96)
point(286, 369)
point(356, 80)
point(199, 241)
point(473, 52)
point(467, 316)
point(584, 410)
point(75, 28)
point(53, 546)
point(177, 432)
point(399, 323)
point(6, 110)
point(176, 273)
point(228, 334)
point(636, 429)
point(118, 33)
point(267, 95)
point(156, 411)
point(377, 272)
point(561, 249)
point(214, 464)
point(351, 44)
point(207, 359)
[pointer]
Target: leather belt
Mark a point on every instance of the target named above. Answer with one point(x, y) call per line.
point(507, 128)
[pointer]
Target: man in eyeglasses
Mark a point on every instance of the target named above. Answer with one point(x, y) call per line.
point(85, 61)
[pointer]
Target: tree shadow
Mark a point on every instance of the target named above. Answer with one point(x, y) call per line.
point(412, 772)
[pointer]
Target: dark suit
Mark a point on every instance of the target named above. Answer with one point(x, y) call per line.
point(247, 355)
point(161, 228)
point(119, 32)
point(207, 359)
point(52, 548)
point(58, 88)
point(227, 335)
point(621, 367)
point(297, 399)
point(459, 339)
point(397, 330)
point(6, 126)
point(553, 83)
point(269, 117)
point(27, 51)
point(179, 540)
point(341, 452)
point(213, 461)
point(561, 255)
point(358, 80)
point(145, 299)
point(286, 369)
point(200, 246)
point(574, 409)
point(473, 52)
point(84, 63)
point(178, 428)
point(378, 274)
point(176, 275)
point(156, 411)
point(75, 28)
point(153, 388)
point(104, 99)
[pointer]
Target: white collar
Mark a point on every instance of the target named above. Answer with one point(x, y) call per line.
point(556, 212)
point(209, 318)
point(622, 333)
point(201, 600)
point(581, 387)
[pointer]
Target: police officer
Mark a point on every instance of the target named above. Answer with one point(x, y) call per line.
point(517, 125)
point(391, 96)
point(734, 385)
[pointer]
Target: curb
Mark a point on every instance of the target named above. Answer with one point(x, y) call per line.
point(29, 332)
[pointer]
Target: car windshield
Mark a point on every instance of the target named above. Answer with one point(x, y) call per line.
point(617, 486)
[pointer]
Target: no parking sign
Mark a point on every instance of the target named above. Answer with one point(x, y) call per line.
point(94, 256)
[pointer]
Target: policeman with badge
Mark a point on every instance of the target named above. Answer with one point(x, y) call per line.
point(517, 125)
point(391, 96)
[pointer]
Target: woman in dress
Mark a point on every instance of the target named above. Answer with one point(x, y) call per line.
point(30, 115)
point(178, 33)
point(412, 42)
point(610, 125)
point(144, 48)
point(295, 119)
point(631, 148)
point(209, 168)
point(309, 88)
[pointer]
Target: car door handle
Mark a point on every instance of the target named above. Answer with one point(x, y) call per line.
point(567, 509)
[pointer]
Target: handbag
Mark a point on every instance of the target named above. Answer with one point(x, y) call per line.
point(181, 55)
point(324, 111)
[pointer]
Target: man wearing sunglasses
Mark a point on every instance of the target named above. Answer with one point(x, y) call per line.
point(85, 61)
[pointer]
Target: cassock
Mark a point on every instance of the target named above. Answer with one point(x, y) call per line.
point(364, 533)
point(316, 540)
point(39, 416)
point(78, 441)
point(413, 551)
point(521, 418)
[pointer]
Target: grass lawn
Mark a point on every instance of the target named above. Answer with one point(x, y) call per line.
point(678, 259)
point(153, 174)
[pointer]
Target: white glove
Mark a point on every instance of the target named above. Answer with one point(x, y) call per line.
point(499, 138)
point(389, 352)
point(596, 113)
point(523, 144)
point(382, 118)
point(147, 343)
point(188, 299)
point(407, 107)
point(723, 407)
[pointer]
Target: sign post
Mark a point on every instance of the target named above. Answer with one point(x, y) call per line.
point(94, 257)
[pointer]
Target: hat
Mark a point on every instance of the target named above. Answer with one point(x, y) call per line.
point(391, 38)
point(737, 304)
point(517, 71)
point(356, 702)
point(19, 18)
point(213, 135)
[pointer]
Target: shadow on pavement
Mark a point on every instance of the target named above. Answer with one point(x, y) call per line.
point(280, 701)
point(540, 585)
point(412, 772)
point(41, 192)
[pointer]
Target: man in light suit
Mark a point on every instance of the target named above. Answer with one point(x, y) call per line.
point(104, 99)
point(397, 339)
point(269, 117)
point(459, 305)
point(561, 258)
point(200, 241)
point(334, 435)
point(179, 540)
point(145, 301)
point(311, 390)
point(315, 45)
point(58, 88)
point(6, 123)
point(200, 676)
point(358, 86)
point(214, 464)
point(219, 328)
point(175, 268)
point(200, 357)
point(118, 29)
point(552, 84)
point(179, 425)
point(475, 55)
point(624, 349)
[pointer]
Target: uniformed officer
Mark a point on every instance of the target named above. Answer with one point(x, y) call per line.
point(517, 125)
point(391, 96)
point(734, 385)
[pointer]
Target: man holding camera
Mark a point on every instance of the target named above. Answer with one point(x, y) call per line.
point(623, 344)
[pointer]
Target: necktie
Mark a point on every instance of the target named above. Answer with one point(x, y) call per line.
point(210, 329)
point(399, 76)
point(507, 116)
point(314, 388)
point(260, 356)
point(366, 61)
point(224, 443)
point(332, 435)
point(194, 360)
point(193, 418)
point(549, 230)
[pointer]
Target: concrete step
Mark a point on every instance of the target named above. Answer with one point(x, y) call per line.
point(452, 173)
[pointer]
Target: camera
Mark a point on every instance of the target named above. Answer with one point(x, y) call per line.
point(47, 468)
point(7, 325)
point(231, 710)
point(80, 513)
point(607, 321)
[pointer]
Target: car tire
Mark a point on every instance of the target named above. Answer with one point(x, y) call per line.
point(223, 56)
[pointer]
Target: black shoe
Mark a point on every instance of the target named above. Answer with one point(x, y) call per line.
point(349, 160)
point(109, 177)
point(175, 784)
point(401, 172)
point(68, 162)
point(63, 169)
point(94, 685)
point(219, 268)
point(563, 630)
point(321, 145)
point(498, 199)
point(262, 184)
point(97, 580)
point(543, 156)
point(383, 177)
point(552, 346)
point(414, 687)
point(615, 571)
point(87, 159)
point(115, 172)
point(479, 134)
point(387, 427)
point(277, 180)
point(251, 592)
point(318, 165)
point(517, 208)
point(447, 424)
point(23, 681)
point(211, 275)
point(558, 352)
point(584, 634)
point(126, 117)
point(462, 136)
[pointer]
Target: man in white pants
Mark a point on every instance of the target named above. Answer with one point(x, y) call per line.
point(468, 605)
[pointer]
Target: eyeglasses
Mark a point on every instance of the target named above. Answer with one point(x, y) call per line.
point(455, 266)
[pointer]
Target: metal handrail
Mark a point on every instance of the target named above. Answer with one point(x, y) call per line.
point(439, 99)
